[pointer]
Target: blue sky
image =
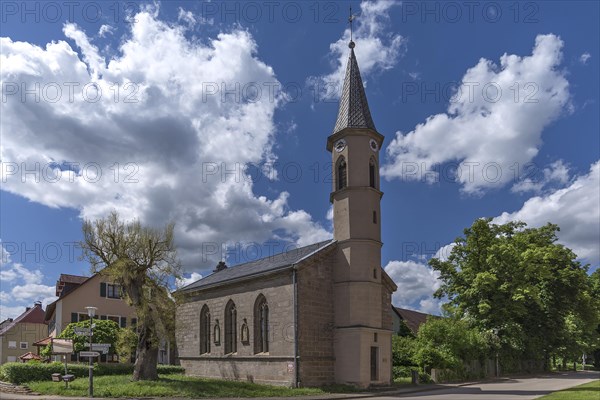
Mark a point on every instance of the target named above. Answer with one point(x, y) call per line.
point(505, 93)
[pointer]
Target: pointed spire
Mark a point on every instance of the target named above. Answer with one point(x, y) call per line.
point(354, 109)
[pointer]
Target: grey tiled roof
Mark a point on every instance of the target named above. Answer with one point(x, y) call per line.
point(257, 267)
point(354, 109)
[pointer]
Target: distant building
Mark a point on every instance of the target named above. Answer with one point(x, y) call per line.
point(411, 319)
point(77, 292)
point(18, 336)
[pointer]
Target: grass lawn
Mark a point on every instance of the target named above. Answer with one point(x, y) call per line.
point(589, 391)
point(168, 385)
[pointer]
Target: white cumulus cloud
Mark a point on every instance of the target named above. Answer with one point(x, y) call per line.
point(493, 124)
point(416, 284)
point(377, 49)
point(575, 209)
point(148, 133)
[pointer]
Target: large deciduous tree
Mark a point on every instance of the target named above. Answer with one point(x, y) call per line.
point(519, 283)
point(143, 261)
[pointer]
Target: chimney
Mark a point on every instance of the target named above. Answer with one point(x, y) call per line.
point(220, 266)
point(37, 304)
point(27, 309)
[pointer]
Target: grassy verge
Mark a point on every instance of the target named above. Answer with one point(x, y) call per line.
point(168, 385)
point(589, 391)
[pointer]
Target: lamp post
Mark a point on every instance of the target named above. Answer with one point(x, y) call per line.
point(91, 313)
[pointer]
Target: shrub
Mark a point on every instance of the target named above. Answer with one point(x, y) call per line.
point(27, 372)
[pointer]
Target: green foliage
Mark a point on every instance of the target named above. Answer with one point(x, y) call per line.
point(403, 351)
point(520, 284)
point(404, 330)
point(28, 372)
point(448, 343)
point(105, 331)
point(126, 344)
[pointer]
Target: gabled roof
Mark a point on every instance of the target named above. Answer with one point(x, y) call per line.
point(52, 306)
point(412, 319)
point(67, 278)
point(354, 109)
point(258, 267)
point(35, 315)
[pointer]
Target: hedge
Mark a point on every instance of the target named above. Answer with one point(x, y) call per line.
point(27, 372)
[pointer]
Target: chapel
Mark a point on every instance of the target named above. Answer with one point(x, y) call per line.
point(316, 315)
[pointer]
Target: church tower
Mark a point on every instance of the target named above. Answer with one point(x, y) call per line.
point(362, 290)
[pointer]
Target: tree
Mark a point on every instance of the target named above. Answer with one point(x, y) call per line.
point(143, 261)
point(518, 283)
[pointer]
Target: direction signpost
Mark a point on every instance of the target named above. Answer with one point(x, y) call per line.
point(89, 354)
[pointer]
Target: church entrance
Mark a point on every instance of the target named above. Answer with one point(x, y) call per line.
point(374, 363)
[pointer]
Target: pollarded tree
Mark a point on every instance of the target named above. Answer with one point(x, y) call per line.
point(517, 282)
point(143, 261)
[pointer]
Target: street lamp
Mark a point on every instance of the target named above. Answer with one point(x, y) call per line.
point(91, 313)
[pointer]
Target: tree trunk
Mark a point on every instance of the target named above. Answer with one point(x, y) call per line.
point(146, 359)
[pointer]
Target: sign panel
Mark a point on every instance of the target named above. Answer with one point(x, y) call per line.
point(78, 329)
point(103, 347)
point(88, 354)
point(62, 346)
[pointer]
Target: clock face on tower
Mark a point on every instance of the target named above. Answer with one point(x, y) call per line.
point(373, 145)
point(340, 145)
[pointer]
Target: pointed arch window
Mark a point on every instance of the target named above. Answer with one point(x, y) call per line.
point(261, 325)
point(230, 328)
point(205, 330)
point(373, 173)
point(342, 174)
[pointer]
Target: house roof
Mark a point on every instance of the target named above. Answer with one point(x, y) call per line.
point(258, 267)
point(29, 356)
point(67, 278)
point(412, 319)
point(34, 315)
point(52, 306)
point(354, 109)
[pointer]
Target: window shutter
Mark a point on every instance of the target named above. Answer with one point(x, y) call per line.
point(123, 322)
point(73, 317)
point(102, 289)
point(103, 317)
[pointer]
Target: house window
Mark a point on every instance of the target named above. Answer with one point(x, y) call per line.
point(372, 175)
point(374, 217)
point(261, 325)
point(204, 330)
point(230, 328)
point(82, 317)
point(342, 174)
point(12, 344)
point(11, 358)
point(113, 291)
point(115, 318)
point(24, 345)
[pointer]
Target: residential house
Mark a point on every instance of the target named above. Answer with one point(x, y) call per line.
point(409, 318)
point(18, 336)
point(77, 292)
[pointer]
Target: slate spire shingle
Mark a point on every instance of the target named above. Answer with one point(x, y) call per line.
point(354, 109)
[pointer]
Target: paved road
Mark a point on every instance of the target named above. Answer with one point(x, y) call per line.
point(510, 389)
